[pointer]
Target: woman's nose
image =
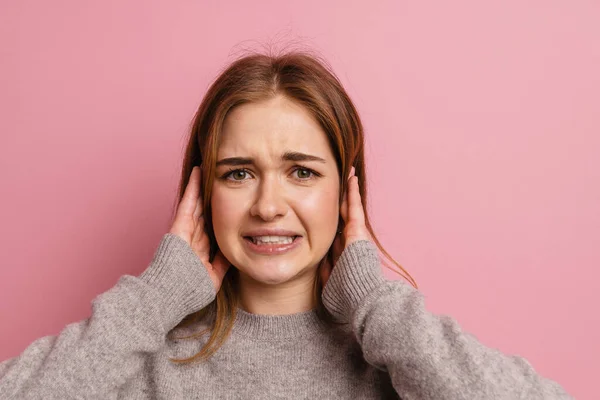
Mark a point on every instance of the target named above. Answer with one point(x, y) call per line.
point(270, 200)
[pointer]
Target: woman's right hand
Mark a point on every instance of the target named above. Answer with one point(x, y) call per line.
point(189, 225)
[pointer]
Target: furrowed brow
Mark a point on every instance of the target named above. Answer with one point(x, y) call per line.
point(234, 161)
point(287, 156)
point(297, 156)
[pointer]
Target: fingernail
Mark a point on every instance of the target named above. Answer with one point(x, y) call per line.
point(351, 173)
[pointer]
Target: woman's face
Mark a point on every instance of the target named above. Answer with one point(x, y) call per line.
point(275, 170)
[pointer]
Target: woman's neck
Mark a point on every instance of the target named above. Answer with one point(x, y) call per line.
point(288, 298)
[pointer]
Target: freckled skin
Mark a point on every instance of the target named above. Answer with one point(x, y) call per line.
point(275, 193)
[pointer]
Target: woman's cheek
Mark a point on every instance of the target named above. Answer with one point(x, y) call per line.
point(223, 212)
point(321, 208)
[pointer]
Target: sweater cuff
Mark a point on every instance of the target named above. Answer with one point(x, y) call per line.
point(356, 274)
point(180, 278)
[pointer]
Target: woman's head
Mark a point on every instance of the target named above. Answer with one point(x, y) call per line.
point(293, 88)
point(276, 175)
point(274, 110)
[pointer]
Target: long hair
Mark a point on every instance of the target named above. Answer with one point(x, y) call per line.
point(308, 80)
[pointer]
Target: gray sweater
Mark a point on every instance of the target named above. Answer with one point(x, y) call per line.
point(391, 347)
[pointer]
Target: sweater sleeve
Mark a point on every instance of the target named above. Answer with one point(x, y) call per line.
point(427, 356)
point(93, 358)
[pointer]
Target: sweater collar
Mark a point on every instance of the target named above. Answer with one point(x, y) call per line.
point(303, 324)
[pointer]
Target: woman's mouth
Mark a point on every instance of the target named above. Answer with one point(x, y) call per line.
point(262, 240)
point(272, 245)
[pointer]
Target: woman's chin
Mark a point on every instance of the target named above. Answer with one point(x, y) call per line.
point(272, 279)
point(273, 275)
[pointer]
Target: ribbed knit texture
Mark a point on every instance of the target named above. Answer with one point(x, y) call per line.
point(391, 347)
point(181, 281)
point(357, 273)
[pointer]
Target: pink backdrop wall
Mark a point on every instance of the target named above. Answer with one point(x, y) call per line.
point(483, 129)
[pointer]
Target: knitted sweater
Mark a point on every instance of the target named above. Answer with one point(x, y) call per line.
point(390, 347)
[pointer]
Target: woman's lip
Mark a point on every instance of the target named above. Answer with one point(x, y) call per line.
point(294, 237)
point(272, 248)
point(270, 232)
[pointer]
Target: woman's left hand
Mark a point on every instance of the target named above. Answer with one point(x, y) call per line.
point(352, 213)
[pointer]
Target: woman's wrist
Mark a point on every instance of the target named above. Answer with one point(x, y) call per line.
point(180, 278)
point(356, 273)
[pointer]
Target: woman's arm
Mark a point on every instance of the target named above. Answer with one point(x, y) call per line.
point(427, 356)
point(95, 357)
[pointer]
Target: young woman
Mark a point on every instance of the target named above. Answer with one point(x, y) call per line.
point(269, 283)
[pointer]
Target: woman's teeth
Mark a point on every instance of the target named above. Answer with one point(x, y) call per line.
point(272, 239)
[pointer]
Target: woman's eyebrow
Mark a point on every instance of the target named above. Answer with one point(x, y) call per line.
point(287, 156)
point(235, 161)
point(297, 156)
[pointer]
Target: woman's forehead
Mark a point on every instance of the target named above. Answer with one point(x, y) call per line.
point(269, 130)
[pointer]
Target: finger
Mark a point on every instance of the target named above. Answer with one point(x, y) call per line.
point(198, 211)
point(199, 236)
point(355, 208)
point(198, 217)
point(189, 200)
point(344, 206)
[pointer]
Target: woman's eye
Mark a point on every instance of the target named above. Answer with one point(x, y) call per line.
point(304, 173)
point(240, 175)
point(237, 174)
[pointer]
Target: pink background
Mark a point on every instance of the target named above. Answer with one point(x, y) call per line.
point(482, 121)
